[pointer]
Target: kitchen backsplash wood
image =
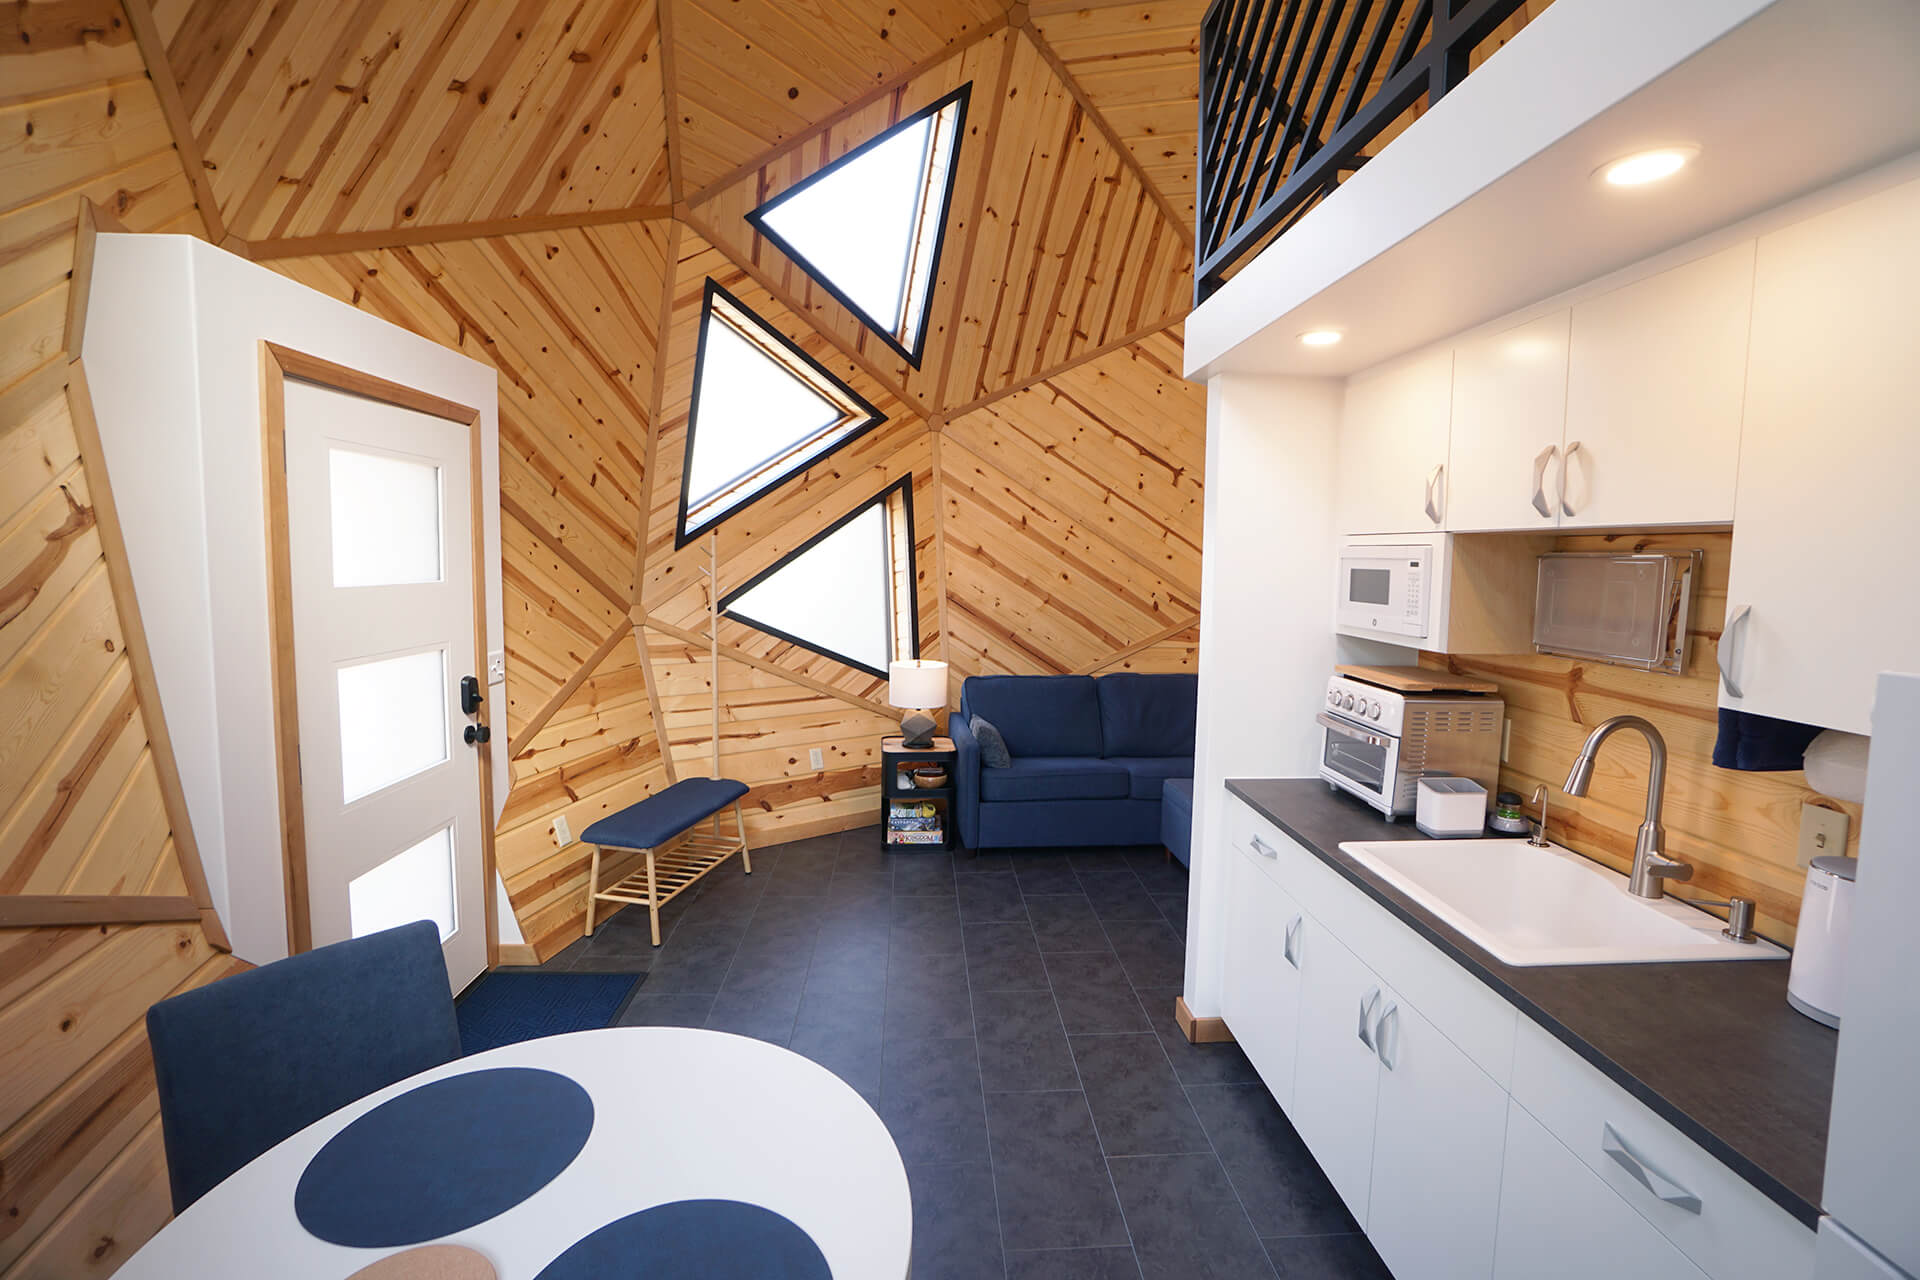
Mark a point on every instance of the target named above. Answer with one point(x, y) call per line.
point(1739, 830)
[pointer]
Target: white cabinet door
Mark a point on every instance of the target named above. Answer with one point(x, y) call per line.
point(1821, 597)
point(1393, 447)
point(1335, 1075)
point(1509, 418)
point(1261, 993)
point(1439, 1140)
point(1557, 1219)
point(1655, 376)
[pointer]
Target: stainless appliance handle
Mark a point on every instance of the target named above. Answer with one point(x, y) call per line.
point(1353, 731)
point(1380, 1037)
point(1433, 477)
point(1646, 1175)
point(1566, 477)
point(1727, 633)
point(1540, 502)
point(1264, 849)
point(1293, 940)
point(1367, 1002)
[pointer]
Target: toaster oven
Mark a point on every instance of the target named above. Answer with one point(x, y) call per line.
point(1377, 743)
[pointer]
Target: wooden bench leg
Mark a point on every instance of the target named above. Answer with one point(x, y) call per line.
point(653, 900)
point(593, 887)
point(740, 824)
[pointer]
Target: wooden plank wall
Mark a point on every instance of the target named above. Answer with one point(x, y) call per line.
point(83, 775)
point(1740, 830)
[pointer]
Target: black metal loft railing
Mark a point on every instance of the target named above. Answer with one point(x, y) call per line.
point(1273, 140)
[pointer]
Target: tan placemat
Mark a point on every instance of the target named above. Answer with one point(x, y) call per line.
point(430, 1262)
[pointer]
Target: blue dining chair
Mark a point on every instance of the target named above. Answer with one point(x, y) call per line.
point(255, 1058)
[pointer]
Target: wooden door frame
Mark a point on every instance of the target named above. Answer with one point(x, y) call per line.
point(277, 364)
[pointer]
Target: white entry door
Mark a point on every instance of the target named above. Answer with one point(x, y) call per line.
point(380, 555)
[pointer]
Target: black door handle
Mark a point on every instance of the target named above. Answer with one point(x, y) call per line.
point(470, 698)
point(477, 734)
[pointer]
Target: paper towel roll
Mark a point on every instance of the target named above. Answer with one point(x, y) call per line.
point(1837, 765)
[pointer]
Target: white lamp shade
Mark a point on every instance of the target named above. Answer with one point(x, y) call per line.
point(916, 684)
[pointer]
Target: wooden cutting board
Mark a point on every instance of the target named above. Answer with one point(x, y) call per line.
point(1418, 680)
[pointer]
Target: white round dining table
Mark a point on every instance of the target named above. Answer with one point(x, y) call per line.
point(678, 1114)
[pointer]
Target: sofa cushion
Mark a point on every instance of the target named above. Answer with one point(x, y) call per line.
point(1148, 715)
point(1055, 778)
point(1176, 819)
point(993, 747)
point(1147, 774)
point(1039, 715)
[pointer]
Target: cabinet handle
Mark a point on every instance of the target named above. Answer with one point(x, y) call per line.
point(1264, 849)
point(1293, 938)
point(1727, 633)
point(1646, 1175)
point(1566, 477)
point(1540, 502)
point(1367, 1003)
point(1433, 506)
point(1380, 1037)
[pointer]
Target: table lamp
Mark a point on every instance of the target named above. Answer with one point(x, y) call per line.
point(917, 686)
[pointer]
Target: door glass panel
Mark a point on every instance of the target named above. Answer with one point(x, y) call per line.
point(386, 519)
point(393, 721)
point(414, 884)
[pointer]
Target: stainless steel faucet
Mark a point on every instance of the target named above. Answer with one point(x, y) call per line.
point(1651, 867)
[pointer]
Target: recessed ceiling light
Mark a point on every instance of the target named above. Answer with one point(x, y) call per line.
point(1643, 167)
point(1320, 337)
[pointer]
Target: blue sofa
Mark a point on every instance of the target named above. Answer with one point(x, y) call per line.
point(1090, 757)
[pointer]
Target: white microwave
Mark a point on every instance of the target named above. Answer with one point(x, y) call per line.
point(1386, 590)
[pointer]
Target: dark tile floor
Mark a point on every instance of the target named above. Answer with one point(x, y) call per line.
point(1010, 1016)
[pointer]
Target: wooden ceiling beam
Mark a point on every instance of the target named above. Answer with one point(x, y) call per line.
point(403, 237)
point(1092, 353)
point(740, 655)
point(538, 720)
point(670, 92)
point(1158, 637)
point(146, 33)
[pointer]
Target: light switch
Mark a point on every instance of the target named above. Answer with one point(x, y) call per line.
point(497, 666)
point(815, 759)
point(1823, 831)
point(562, 832)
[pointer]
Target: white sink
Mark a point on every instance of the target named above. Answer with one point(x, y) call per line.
point(1533, 906)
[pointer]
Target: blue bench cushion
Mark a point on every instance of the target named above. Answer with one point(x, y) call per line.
point(659, 818)
point(1148, 775)
point(1055, 778)
point(1148, 715)
point(1038, 715)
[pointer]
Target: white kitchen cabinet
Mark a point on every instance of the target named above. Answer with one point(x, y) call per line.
point(1260, 997)
point(1438, 1146)
point(1391, 476)
point(1336, 1077)
point(1656, 372)
point(1509, 420)
point(1558, 1219)
point(1821, 594)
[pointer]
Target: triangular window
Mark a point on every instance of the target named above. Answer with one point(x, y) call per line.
point(848, 592)
point(868, 227)
point(762, 411)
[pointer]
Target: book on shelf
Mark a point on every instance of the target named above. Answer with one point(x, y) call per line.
point(916, 837)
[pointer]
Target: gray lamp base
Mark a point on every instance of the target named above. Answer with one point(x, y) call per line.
point(916, 730)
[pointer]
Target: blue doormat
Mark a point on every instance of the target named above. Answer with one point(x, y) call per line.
point(506, 1008)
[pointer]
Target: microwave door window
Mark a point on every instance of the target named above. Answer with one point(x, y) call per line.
point(1357, 761)
point(1369, 586)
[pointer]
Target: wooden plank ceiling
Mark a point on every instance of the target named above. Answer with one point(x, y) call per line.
point(547, 187)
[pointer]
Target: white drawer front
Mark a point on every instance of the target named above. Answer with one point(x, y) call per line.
point(1716, 1217)
point(1453, 1000)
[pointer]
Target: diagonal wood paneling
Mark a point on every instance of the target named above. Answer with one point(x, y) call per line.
point(322, 118)
point(1139, 64)
point(749, 77)
point(1071, 251)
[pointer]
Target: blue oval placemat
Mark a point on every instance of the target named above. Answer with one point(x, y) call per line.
point(443, 1157)
point(708, 1239)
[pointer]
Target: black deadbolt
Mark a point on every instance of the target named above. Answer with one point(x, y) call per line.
point(470, 698)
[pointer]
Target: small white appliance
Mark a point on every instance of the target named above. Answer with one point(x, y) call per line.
point(1377, 743)
point(1450, 808)
point(1386, 590)
point(1819, 973)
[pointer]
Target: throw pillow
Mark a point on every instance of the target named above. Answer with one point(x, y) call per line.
point(993, 747)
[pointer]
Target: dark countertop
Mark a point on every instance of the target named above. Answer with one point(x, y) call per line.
point(1713, 1048)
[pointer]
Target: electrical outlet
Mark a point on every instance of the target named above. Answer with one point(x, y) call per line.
point(497, 666)
point(816, 759)
point(1823, 831)
point(1506, 741)
point(562, 832)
